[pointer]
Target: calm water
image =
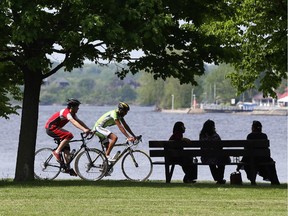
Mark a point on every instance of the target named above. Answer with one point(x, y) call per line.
point(153, 126)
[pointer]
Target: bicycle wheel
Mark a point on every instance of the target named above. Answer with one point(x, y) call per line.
point(45, 165)
point(137, 165)
point(91, 165)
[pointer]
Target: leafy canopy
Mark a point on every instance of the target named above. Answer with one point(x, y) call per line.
point(176, 38)
point(257, 30)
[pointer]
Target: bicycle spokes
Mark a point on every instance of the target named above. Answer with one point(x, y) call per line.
point(91, 164)
point(45, 165)
point(133, 159)
point(137, 165)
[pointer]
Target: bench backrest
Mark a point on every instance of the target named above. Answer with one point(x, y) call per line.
point(236, 148)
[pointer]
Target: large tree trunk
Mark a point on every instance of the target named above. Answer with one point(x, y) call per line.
point(28, 129)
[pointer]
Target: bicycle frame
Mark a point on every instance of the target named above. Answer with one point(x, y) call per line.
point(128, 148)
point(83, 146)
point(65, 164)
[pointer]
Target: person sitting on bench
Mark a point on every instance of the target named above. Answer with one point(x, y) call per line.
point(189, 170)
point(268, 171)
point(216, 166)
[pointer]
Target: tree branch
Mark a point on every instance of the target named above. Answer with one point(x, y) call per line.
point(53, 70)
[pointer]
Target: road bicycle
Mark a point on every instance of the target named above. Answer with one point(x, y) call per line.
point(136, 164)
point(90, 163)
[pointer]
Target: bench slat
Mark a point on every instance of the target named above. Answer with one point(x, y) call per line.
point(215, 153)
point(202, 143)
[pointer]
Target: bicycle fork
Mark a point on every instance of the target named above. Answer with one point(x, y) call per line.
point(133, 158)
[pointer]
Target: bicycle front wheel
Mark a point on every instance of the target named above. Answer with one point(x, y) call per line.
point(91, 165)
point(137, 165)
point(45, 165)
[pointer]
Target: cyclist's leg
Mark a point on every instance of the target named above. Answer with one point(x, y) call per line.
point(66, 151)
point(68, 169)
point(104, 133)
point(103, 140)
point(113, 139)
point(63, 135)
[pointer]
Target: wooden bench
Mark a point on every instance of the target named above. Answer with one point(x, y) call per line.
point(170, 151)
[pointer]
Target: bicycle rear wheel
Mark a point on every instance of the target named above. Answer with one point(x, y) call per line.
point(91, 165)
point(45, 165)
point(137, 165)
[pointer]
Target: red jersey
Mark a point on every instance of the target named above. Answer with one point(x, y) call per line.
point(59, 119)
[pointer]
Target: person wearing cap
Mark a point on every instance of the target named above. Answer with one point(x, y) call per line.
point(54, 127)
point(111, 118)
point(268, 172)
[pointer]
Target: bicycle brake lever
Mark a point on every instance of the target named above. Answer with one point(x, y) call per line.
point(139, 138)
point(85, 135)
point(90, 136)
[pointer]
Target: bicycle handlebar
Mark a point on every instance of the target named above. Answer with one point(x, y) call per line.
point(138, 139)
point(87, 136)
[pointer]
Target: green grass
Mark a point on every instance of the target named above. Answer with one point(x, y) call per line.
point(76, 197)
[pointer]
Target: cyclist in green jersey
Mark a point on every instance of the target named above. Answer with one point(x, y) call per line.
point(113, 117)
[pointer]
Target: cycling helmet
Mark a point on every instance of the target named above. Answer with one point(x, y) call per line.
point(123, 107)
point(73, 102)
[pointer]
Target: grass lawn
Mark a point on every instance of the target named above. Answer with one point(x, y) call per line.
point(107, 197)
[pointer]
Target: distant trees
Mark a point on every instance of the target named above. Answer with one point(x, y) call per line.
point(98, 85)
point(159, 92)
point(217, 87)
point(86, 85)
point(150, 91)
point(213, 87)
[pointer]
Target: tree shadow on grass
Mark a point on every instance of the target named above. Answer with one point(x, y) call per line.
point(126, 183)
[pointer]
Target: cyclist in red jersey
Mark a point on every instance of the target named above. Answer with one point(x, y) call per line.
point(54, 127)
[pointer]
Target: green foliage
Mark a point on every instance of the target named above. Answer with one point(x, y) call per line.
point(96, 85)
point(150, 91)
point(217, 87)
point(159, 92)
point(257, 31)
point(176, 38)
point(9, 89)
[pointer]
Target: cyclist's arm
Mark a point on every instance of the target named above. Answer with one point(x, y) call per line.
point(122, 129)
point(78, 123)
point(83, 124)
point(126, 126)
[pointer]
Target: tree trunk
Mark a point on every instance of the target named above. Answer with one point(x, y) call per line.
point(28, 129)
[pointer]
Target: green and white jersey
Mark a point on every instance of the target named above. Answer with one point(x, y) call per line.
point(108, 119)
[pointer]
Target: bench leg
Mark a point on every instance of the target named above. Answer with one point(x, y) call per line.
point(253, 174)
point(169, 172)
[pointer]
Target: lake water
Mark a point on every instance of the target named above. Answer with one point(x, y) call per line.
point(153, 126)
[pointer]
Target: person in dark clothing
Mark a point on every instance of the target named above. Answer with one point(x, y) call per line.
point(268, 172)
point(208, 132)
point(189, 170)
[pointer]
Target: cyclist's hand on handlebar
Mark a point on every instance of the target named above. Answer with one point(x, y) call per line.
point(87, 131)
point(131, 139)
point(87, 134)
